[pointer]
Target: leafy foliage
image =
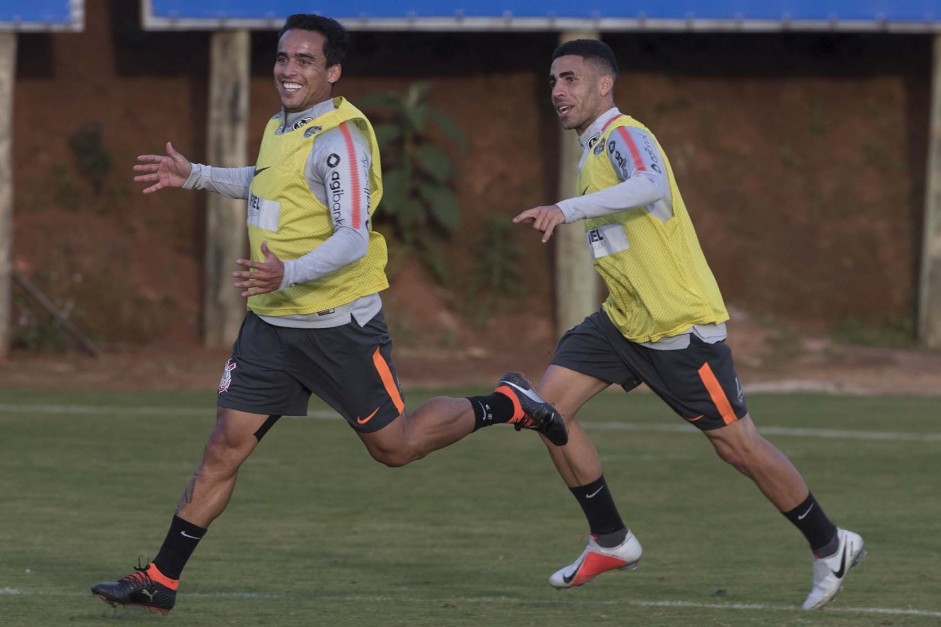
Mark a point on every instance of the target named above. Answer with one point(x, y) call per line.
point(419, 201)
point(495, 280)
point(93, 160)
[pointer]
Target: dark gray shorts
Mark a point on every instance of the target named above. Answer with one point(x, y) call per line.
point(699, 382)
point(274, 370)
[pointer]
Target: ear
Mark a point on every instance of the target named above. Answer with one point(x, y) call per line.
point(606, 84)
point(334, 72)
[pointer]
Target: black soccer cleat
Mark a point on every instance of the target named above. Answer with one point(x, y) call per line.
point(537, 413)
point(147, 587)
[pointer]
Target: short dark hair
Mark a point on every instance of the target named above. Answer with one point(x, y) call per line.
point(592, 50)
point(338, 39)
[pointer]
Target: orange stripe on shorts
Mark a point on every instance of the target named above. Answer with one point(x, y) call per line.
point(717, 394)
point(385, 373)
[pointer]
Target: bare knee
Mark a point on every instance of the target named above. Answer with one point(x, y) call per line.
point(395, 445)
point(225, 451)
point(220, 459)
point(394, 457)
point(736, 456)
point(738, 444)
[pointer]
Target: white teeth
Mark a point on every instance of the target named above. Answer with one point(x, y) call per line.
point(291, 86)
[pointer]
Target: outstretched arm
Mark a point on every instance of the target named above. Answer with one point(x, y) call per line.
point(170, 170)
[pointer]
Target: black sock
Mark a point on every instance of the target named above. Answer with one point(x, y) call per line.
point(604, 521)
point(177, 547)
point(491, 410)
point(814, 524)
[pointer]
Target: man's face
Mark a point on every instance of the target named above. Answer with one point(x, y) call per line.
point(579, 92)
point(301, 75)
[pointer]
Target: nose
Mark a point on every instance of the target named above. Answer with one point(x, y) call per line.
point(288, 68)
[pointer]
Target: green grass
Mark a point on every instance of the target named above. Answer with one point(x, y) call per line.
point(319, 534)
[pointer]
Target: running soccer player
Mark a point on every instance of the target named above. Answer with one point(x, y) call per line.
point(663, 324)
point(315, 323)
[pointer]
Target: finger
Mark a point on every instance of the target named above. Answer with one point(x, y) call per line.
point(548, 234)
point(541, 222)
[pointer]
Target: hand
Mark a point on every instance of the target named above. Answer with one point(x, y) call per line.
point(261, 276)
point(544, 219)
point(171, 170)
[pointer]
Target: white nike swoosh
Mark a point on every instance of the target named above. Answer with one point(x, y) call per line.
point(186, 535)
point(802, 516)
point(595, 493)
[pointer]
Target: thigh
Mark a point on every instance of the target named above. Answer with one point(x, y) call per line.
point(568, 389)
point(350, 368)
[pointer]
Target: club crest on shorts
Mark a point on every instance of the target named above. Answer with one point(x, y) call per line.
point(226, 379)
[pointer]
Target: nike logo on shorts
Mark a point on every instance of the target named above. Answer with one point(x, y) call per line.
point(362, 421)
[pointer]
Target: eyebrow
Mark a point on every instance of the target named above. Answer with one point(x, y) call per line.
point(564, 74)
point(300, 55)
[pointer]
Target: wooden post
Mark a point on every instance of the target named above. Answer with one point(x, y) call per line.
point(929, 292)
point(223, 306)
point(576, 283)
point(7, 80)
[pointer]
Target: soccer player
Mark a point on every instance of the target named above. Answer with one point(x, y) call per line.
point(315, 322)
point(663, 324)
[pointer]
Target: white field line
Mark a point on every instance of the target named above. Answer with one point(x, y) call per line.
point(568, 600)
point(797, 432)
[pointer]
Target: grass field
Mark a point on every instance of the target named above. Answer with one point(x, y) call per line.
point(319, 534)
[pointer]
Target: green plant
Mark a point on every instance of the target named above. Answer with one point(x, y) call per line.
point(495, 278)
point(418, 174)
point(35, 330)
point(94, 162)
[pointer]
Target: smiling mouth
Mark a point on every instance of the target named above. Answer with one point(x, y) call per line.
point(563, 109)
point(291, 88)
